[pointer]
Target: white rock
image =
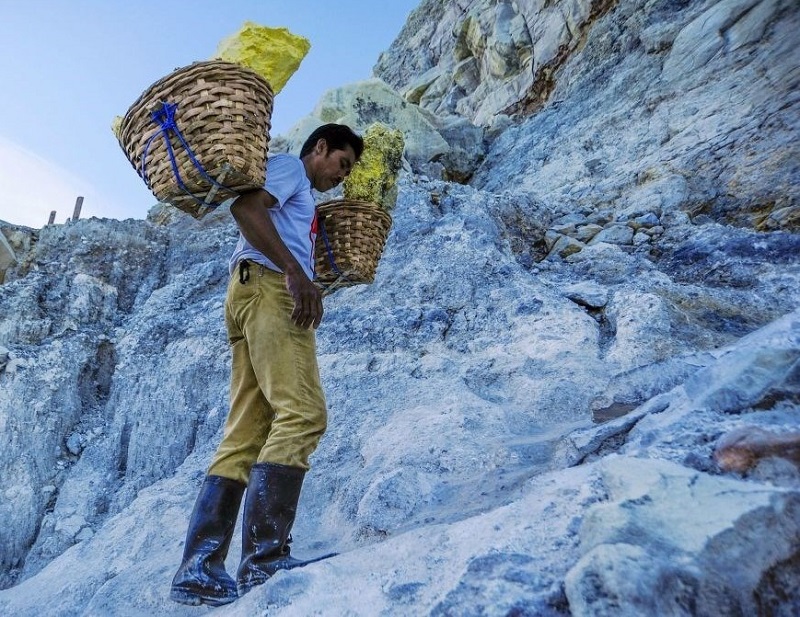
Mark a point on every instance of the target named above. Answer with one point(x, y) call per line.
point(587, 294)
point(614, 234)
point(667, 523)
point(360, 104)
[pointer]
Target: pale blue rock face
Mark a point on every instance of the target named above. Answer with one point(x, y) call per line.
point(524, 406)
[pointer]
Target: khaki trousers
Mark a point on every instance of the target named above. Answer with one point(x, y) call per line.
point(277, 412)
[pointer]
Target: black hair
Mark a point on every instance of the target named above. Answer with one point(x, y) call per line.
point(337, 136)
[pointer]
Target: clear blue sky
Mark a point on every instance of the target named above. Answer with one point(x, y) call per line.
point(70, 66)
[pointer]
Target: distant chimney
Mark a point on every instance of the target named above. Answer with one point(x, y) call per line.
point(52, 218)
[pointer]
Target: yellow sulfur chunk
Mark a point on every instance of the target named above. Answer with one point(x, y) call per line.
point(116, 124)
point(273, 53)
point(374, 176)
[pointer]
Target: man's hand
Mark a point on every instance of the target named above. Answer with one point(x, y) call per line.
point(307, 299)
point(258, 229)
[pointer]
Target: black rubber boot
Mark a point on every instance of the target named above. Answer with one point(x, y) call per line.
point(269, 511)
point(201, 578)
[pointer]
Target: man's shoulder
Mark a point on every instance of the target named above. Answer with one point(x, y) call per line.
point(283, 159)
point(286, 177)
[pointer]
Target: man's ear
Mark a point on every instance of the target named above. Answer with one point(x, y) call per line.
point(321, 147)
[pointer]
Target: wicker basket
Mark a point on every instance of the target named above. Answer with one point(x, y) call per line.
point(223, 113)
point(350, 242)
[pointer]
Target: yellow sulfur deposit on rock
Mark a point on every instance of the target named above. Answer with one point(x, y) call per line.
point(374, 176)
point(273, 53)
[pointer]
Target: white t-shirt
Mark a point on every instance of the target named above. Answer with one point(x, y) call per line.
point(294, 216)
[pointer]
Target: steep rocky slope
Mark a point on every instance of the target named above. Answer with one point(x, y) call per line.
point(526, 405)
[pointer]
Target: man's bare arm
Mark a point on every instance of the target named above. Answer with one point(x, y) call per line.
point(249, 211)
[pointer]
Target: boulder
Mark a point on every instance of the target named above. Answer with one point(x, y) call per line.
point(447, 148)
point(667, 539)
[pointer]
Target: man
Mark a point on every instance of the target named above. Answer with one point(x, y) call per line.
point(277, 414)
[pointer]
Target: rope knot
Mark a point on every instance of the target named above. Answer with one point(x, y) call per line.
point(165, 116)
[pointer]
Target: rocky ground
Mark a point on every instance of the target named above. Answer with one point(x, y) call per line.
point(572, 390)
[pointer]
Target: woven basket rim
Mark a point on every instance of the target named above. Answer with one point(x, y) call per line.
point(177, 73)
point(342, 200)
point(355, 205)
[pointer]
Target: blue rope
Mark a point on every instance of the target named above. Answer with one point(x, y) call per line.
point(165, 118)
point(328, 248)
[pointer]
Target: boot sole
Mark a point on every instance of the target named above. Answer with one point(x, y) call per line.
point(192, 598)
point(270, 572)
